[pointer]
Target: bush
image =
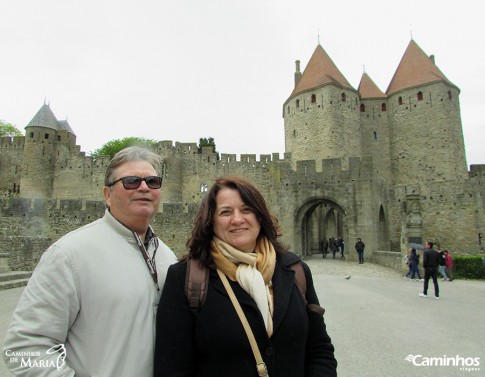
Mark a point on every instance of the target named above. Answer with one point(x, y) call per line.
point(468, 267)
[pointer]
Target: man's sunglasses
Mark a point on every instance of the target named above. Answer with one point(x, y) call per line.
point(132, 182)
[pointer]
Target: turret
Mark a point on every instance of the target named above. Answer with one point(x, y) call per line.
point(426, 131)
point(43, 137)
point(375, 126)
point(321, 115)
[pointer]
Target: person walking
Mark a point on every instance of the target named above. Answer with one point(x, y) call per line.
point(430, 265)
point(89, 307)
point(449, 265)
point(359, 247)
point(236, 240)
point(406, 260)
point(442, 264)
point(333, 246)
point(324, 247)
point(341, 246)
point(414, 264)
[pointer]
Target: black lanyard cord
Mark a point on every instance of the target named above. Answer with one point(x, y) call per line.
point(152, 267)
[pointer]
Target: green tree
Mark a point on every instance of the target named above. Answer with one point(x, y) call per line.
point(114, 146)
point(9, 130)
point(207, 142)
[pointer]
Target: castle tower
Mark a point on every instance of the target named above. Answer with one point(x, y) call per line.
point(426, 137)
point(321, 115)
point(43, 136)
point(375, 126)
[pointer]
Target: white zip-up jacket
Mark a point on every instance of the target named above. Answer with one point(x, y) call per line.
point(92, 292)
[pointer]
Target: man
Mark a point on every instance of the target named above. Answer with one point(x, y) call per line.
point(359, 247)
point(90, 306)
point(430, 265)
point(341, 247)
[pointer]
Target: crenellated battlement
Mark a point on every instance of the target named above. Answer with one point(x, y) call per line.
point(12, 142)
point(477, 171)
point(27, 207)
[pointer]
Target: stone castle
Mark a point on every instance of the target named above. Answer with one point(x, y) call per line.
point(387, 167)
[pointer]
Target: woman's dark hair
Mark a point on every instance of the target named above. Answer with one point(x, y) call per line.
point(199, 244)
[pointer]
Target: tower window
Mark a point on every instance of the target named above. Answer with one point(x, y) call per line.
point(375, 135)
point(288, 109)
point(383, 107)
point(400, 100)
point(164, 170)
point(31, 135)
point(314, 98)
point(420, 96)
point(46, 136)
point(297, 103)
point(449, 94)
point(362, 108)
point(344, 97)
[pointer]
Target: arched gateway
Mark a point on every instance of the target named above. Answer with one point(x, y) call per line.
point(317, 220)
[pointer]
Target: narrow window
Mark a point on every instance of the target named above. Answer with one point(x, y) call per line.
point(164, 170)
point(375, 135)
point(344, 97)
point(314, 98)
point(297, 103)
point(400, 100)
point(383, 107)
point(420, 96)
point(58, 137)
point(362, 108)
point(31, 135)
point(46, 136)
point(449, 94)
point(288, 109)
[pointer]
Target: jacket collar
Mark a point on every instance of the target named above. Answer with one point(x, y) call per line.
point(124, 231)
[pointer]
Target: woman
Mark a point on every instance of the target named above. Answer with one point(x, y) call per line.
point(235, 233)
point(414, 264)
point(449, 265)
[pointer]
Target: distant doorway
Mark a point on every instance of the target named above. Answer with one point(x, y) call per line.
point(316, 221)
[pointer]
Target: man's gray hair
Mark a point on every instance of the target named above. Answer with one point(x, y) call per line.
point(131, 154)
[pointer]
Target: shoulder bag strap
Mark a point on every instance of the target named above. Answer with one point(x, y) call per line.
point(260, 365)
point(300, 278)
point(196, 280)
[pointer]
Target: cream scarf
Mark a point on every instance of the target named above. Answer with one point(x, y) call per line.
point(253, 271)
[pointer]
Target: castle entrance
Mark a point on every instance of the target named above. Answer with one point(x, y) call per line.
point(317, 221)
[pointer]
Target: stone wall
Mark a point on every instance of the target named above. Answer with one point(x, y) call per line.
point(388, 259)
point(24, 252)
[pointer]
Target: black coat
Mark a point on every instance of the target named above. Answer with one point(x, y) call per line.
point(213, 342)
point(431, 259)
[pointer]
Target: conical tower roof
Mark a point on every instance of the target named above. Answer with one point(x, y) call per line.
point(415, 69)
point(44, 118)
point(64, 125)
point(368, 89)
point(320, 71)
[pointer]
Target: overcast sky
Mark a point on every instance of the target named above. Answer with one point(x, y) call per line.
point(186, 69)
